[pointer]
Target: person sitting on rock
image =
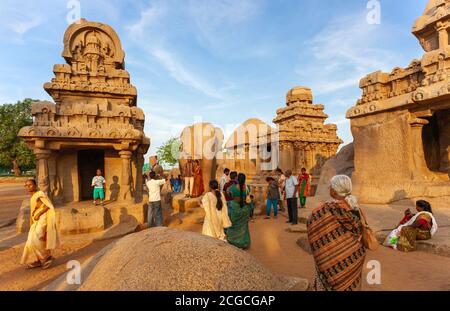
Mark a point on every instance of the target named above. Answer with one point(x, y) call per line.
point(421, 226)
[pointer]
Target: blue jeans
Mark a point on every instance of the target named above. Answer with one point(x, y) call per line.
point(269, 204)
point(155, 216)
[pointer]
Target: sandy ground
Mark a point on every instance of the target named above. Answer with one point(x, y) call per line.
point(272, 244)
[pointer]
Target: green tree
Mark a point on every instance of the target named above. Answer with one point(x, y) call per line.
point(168, 153)
point(14, 153)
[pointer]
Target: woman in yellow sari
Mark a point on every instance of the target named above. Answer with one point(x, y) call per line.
point(43, 235)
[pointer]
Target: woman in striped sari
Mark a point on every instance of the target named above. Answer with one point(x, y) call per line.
point(334, 233)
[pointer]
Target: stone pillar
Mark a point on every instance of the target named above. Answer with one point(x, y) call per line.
point(308, 158)
point(441, 27)
point(284, 156)
point(419, 167)
point(43, 179)
point(125, 191)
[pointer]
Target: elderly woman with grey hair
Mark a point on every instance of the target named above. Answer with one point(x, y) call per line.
point(335, 237)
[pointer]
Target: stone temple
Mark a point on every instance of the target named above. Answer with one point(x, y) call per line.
point(94, 122)
point(301, 139)
point(401, 124)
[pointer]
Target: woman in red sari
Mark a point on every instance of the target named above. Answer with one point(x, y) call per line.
point(304, 185)
point(199, 188)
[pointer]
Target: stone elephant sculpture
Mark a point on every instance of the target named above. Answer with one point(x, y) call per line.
point(203, 142)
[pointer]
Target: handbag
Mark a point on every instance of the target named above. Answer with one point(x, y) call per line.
point(369, 238)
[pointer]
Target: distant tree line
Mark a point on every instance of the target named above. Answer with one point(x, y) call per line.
point(14, 153)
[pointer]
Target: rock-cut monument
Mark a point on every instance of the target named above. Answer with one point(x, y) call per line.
point(401, 124)
point(94, 122)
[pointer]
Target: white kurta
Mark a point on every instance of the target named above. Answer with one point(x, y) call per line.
point(215, 221)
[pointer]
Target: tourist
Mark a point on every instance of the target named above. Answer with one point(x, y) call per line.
point(172, 181)
point(216, 212)
point(238, 234)
point(273, 197)
point(252, 207)
point(177, 184)
point(43, 236)
point(281, 185)
point(412, 228)
point(199, 187)
point(304, 186)
point(291, 188)
point(155, 216)
point(231, 182)
point(99, 183)
point(335, 237)
point(225, 178)
point(188, 174)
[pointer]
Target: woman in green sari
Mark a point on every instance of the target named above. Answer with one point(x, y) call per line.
point(238, 234)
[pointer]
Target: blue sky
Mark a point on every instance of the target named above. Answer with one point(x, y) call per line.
point(221, 61)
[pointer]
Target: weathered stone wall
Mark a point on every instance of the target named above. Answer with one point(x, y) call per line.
point(113, 167)
point(67, 168)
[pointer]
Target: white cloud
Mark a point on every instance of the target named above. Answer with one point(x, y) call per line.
point(345, 51)
point(184, 76)
point(21, 27)
point(154, 23)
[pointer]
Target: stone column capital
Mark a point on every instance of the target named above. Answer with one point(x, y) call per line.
point(125, 154)
point(418, 122)
point(42, 154)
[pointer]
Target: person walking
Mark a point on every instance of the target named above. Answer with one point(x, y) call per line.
point(43, 236)
point(291, 188)
point(304, 186)
point(155, 216)
point(273, 197)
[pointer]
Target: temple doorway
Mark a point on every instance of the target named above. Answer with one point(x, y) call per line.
point(88, 163)
point(436, 141)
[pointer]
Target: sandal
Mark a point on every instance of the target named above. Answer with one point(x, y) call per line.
point(33, 265)
point(48, 262)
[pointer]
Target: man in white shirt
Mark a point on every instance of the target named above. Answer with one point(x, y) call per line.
point(291, 187)
point(225, 178)
point(155, 216)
